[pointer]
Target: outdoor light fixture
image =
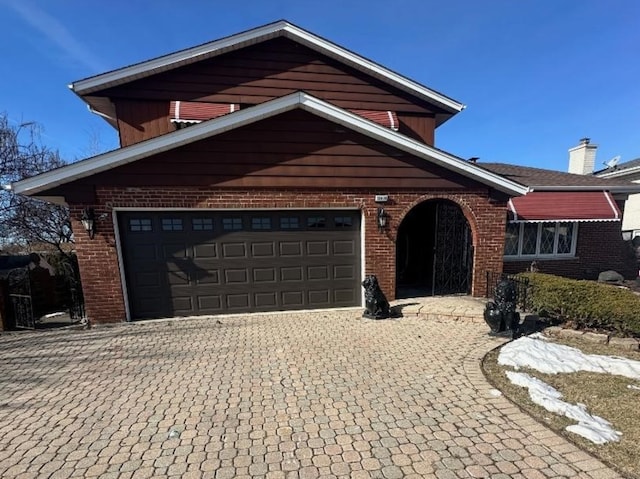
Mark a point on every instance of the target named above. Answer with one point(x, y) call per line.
point(382, 219)
point(89, 221)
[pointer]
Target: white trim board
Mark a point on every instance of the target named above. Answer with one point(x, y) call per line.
point(238, 41)
point(216, 126)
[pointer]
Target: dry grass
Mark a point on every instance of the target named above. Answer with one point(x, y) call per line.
point(605, 395)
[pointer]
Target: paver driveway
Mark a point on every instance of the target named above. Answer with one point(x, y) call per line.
point(290, 395)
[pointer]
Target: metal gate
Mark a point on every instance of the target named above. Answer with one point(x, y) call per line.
point(453, 251)
point(20, 298)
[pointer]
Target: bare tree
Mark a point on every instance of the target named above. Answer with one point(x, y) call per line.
point(28, 221)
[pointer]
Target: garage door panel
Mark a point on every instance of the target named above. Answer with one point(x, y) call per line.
point(291, 248)
point(238, 301)
point(202, 265)
point(317, 248)
point(318, 273)
point(234, 250)
point(293, 273)
point(292, 299)
point(264, 275)
point(263, 250)
point(205, 251)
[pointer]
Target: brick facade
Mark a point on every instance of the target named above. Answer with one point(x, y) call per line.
point(98, 257)
point(612, 254)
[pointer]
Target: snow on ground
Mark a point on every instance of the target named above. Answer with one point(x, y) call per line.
point(546, 357)
point(594, 428)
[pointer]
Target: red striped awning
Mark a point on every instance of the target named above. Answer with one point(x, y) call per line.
point(196, 111)
point(384, 118)
point(539, 206)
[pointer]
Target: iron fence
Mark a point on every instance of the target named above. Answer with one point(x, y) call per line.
point(523, 288)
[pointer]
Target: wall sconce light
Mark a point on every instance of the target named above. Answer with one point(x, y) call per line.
point(382, 219)
point(89, 221)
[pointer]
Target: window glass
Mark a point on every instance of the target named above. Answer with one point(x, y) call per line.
point(316, 222)
point(171, 224)
point(512, 239)
point(261, 223)
point(565, 237)
point(202, 224)
point(140, 224)
point(547, 238)
point(343, 221)
point(529, 238)
point(289, 222)
point(232, 224)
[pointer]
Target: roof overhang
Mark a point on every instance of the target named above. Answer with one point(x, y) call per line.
point(85, 88)
point(617, 173)
point(301, 100)
point(582, 206)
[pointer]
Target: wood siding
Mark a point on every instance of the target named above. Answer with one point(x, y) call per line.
point(256, 74)
point(295, 149)
point(141, 120)
point(418, 127)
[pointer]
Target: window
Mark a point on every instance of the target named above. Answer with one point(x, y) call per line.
point(140, 224)
point(260, 223)
point(202, 224)
point(171, 224)
point(316, 222)
point(530, 240)
point(343, 221)
point(232, 224)
point(289, 223)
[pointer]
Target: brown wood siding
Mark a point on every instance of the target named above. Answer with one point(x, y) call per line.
point(269, 70)
point(141, 120)
point(295, 149)
point(418, 127)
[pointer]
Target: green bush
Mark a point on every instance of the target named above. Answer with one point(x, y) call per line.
point(585, 304)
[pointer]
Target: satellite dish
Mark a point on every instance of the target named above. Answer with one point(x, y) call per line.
point(613, 161)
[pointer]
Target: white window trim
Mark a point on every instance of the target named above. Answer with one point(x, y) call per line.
point(555, 255)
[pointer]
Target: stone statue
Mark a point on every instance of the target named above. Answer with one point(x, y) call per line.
point(376, 304)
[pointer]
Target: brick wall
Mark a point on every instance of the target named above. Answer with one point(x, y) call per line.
point(600, 247)
point(98, 258)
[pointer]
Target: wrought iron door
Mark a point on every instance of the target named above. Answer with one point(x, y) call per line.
point(20, 298)
point(453, 251)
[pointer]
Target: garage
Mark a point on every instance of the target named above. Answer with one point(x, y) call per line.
point(199, 262)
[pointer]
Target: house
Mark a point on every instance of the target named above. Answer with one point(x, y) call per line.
point(272, 170)
point(568, 223)
point(629, 171)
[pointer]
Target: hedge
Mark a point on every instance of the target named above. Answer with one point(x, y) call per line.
point(585, 304)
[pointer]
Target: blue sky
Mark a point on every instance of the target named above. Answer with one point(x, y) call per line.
point(536, 75)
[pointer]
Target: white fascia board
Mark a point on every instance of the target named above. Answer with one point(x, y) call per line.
point(169, 141)
point(409, 145)
point(619, 173)
point(611, 188)
point(240, 40)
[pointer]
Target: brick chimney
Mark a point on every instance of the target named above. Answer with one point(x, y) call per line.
point(582, 158)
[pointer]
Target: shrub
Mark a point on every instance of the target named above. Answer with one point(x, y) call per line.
point(585, 304)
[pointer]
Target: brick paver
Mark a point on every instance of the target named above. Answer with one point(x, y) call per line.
point(323, 394)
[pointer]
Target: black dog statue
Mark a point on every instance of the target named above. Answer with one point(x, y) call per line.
point(501, 315)
point(376, 304)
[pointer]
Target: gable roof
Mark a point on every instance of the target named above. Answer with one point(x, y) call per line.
point(539, 179)
point(84, 88)
point(206, 129)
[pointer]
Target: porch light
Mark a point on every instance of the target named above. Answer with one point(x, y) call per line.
point(89, 221)
point(382, 219)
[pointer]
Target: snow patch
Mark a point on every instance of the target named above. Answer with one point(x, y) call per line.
point(551, 358)
point(593, 428)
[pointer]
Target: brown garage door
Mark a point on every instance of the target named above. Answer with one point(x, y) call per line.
point(184, 263)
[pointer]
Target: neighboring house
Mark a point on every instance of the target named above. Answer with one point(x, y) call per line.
point(569, 224)
point(271, 170)
point(629, 171)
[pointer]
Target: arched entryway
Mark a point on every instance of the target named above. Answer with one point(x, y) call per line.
point(434, 251)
